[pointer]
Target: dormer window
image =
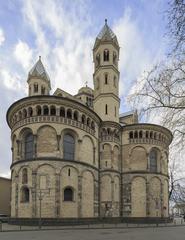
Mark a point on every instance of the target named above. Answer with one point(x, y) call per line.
point(35, 87)
point(106, 55)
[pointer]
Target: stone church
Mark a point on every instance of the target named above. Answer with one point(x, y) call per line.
point(78, 157)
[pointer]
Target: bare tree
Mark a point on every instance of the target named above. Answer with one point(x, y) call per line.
point(161, 92)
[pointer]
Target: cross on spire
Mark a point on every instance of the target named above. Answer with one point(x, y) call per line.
point(86, 83)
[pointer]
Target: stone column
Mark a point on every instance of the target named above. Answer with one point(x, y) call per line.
point(57, 194)
point(78, 150)
point(161, 199)
point(35, 146)
point(148, 161)
point(34, 194)
point(16, 196)
point(96, 198)
point(18, 148)
point(58, 142)
point(79, 196)
point(94, 155)
point(112, 159)
point(147, 200)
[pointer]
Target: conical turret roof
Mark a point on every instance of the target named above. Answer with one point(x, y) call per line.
point(106, 34)
point(106, 31)
point(39, 71)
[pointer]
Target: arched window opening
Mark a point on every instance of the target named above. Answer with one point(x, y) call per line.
point(24, 176)
point(25, 195)
point(131, 135)
point(159, 136)
point(53, 110)
point(75, 116)
point(36, 88)
point(69, 113)
point(108, 131)
point(30, 112)
point(114, 58)
point(106, 78)
point(69, 147)
point(114, 81)
point(146, 134)
point(106, 55)
point(68, 194)
point(46, 110)
point(43, 90)
point(29, 146)
point(106, 109)
point(20, 115)
point(24, 113)
point(88, 122)
point(83, 119)
point(151, 134)
point(155, 135)
point(62, 112)
point(38, 110)
point(153, 160)
point(135, 134)
point(92, 125)
point(97, 60)
point(140, 134)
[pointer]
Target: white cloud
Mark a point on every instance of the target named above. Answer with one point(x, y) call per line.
point(2, 37)
point(23, 54)
point(69, 59)
point(136, 56)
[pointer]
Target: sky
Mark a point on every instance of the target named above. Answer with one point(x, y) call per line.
point(63, 33)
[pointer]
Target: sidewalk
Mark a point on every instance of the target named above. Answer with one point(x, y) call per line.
point(7, 227)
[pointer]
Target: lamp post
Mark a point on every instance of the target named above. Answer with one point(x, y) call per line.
point(40, 193)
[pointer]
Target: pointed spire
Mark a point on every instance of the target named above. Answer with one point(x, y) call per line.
point(38, 70)
point(106, 31)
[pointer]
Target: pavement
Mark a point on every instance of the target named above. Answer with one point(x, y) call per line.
point(153, 233)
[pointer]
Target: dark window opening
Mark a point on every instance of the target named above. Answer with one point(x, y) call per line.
point(106, 78)
point(62, 112)
point(24, 176)
point(46, 110)
point(68, 194)
point(153, 160)
point(106, 55)
point(53, 111)
point(36, 88)
point(25, 195)
point(106, 109)
point(69, 114)
point(69, 147)
point(29, 146)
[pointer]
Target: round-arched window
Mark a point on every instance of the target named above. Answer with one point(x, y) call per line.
point(153, 160)
point(28, 146)
point(69, 147)
point(68, 194)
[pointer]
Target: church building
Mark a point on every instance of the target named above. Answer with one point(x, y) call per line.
point(78, 156)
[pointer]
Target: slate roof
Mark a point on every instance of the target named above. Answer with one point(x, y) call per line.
point(38, 70)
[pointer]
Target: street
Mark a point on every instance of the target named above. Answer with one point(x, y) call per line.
point(163, 233)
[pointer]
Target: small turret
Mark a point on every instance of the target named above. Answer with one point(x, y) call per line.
point(38, 80)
